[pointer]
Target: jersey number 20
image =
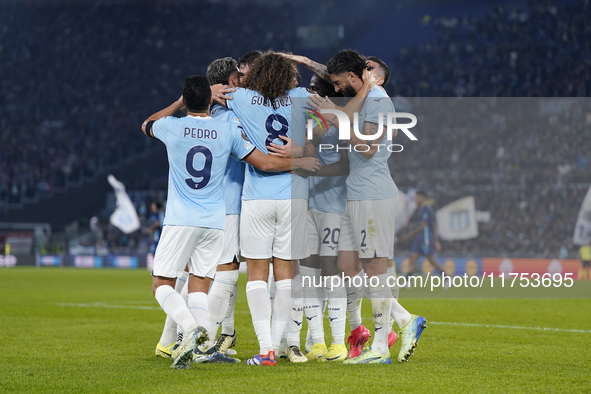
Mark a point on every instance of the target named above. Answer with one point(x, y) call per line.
point(204, 173)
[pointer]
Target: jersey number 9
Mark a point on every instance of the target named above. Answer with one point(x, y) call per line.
point(204, 173)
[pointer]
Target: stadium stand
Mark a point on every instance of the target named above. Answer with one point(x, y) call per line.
point(76, 95)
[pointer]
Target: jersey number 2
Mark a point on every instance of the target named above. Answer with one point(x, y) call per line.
point(204, 173)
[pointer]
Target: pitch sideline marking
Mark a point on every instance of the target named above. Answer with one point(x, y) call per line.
point(477, 325)
point(111, 306)
point(509, 327)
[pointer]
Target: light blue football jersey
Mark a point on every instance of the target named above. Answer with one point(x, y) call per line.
point(370, 179)
point(234, 175)
point(328, 194)
point(198, 151)
point(262, 125)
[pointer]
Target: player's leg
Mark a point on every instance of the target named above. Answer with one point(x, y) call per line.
point(223, 286)
point(348, 263)
point(311, 283)
point(289, 246)
point(412, 262)
point(257, 222)
point(227, 337)
point(374, 249)
point(377, 249)
point(381, 304)
point(296, 317)
point(431, 259)
point(411, 326)
point(257, 295)
point(395, 290)
point(169, 336)
point(174, 250)
point(202, 268)
point(329, 224)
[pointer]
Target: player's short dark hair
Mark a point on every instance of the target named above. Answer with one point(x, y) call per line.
point(196, 93)
point(248, 58)
point(421, 193)
point(323, 88)
point(219, 70)
point(383, 66)
point(345, 61)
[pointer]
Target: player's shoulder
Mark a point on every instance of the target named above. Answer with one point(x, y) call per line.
point(243, 92)
point(377, 91)
point(169, 120)
point(220, 112)
point(300, 92)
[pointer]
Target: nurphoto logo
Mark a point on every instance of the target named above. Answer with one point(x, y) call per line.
point(344, 130)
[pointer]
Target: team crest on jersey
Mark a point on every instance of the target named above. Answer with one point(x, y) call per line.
point(243, 135)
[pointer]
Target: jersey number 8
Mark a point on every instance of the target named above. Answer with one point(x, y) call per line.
point(274, 133)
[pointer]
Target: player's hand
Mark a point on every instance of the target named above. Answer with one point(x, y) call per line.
point(311, 164)
point(437, 246)
point(319, 103)
point(219, 93)
point(290, 149)
point(370, 78)
point(181, 103)
point(303, 173)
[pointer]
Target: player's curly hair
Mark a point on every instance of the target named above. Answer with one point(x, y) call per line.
point(272, 75)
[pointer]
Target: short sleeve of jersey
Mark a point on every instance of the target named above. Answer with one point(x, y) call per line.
point(238, 98)
point(241, 147)
point(376, 106)
point(161, 128)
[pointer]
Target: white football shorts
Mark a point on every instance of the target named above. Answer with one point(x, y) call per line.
point(324, 229)
point(199, 247)
point(368, 228)
point(231, 248)
point(273, 228)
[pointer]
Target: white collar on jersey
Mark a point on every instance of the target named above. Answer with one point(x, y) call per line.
point(199, 117)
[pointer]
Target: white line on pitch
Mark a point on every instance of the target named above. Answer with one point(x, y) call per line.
point(112, 306)
point(509, 327)
point(144, 307)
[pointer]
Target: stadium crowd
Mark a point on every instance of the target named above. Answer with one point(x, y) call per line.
point(540, 48)
point(78, 71)
point(531, 178)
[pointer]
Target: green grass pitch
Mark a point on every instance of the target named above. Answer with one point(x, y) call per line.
point(95, 330)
